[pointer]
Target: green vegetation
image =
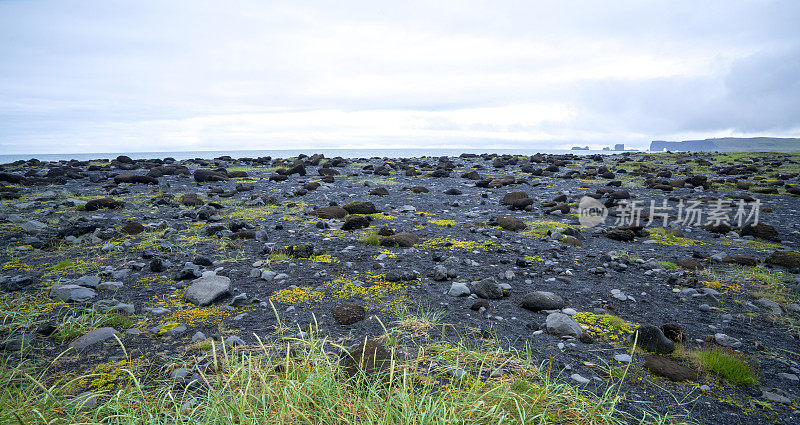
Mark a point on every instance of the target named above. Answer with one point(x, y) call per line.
point(668, 265)
point(370, 239)
point(726, 364)
point(264, 384)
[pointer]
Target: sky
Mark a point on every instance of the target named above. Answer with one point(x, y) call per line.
point(134, 76)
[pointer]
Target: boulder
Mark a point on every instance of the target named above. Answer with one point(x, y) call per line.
point(789, 259)
point(206, 176)
point(488, 288)
point(542, 300)
point(72, 293)
point(360, 208)
point(761, 231)
point(328, 213)
point(560, 324)
point(94, 337)
point(206, 289)
point(103, 203)
point(511, 223)
point(650, 338)
point(347, 314)
point(661, 366)
point(355, 222)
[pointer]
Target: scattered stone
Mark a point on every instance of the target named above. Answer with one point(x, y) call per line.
point(541, 300)
point(207, 289)
point(560, 324)
point(347, 314)
point(661, 366)
point(650, 338)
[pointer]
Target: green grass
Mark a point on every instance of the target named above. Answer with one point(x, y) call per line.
point(302, 381)
point(726, 364)
point(85, 320)
point(668, 265)
point(267, 385)
point(370, 239)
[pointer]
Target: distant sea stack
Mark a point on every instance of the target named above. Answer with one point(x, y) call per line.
point(729, 144)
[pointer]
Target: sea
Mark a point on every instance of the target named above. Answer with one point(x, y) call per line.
point(291, 153)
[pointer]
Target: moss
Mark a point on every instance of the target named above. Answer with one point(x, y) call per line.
point(299, 295)
point(324, 258)
point(372, 288)
point(606, 326)
point(443, 222)
point(198, 316)
point(669, 265)
point(17, 265)
point(453, 244)
point(721, 286)
point(539, 228)
point(664, 237)
point(370, 239)
point(167, 327)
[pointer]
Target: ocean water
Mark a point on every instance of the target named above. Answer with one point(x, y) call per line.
point(329, 153)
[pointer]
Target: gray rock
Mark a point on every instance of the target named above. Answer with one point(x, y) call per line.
point(234, 341)
point(561, 324)
point(72, 293)
point(268, 275)
point(789, 376)
point(19, 342)
point(727, 341)
point(110, 286)
point(770, 305)
point(623, 358)
point(542, 300)
point(205, 290)
point(579, 379)
point(439, 273)
point(124, 308)
point(652, 339)
point(86, 400)
point(777, 398)
point(180, 374)
point(488, 288)
point(87, 281)
point(198, 336)
point(458, 289)
point(94, 337)
point(708, 298)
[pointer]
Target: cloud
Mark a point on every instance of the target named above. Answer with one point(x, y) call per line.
point(147, 75)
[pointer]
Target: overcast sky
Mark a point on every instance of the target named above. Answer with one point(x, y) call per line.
point(114, 76)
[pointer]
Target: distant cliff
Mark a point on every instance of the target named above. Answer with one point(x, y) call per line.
point(729, 144)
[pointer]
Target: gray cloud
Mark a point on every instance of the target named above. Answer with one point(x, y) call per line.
point(96, 76)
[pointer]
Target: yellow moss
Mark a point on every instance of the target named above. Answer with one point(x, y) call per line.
point(373, 288)
point(721, 286)
point(324, 258)
point(389, 253)
point(196, 316)
point(300, 295)
point(453, 244)
point(538, 229)
point(607, 326)
point(382, 216)
point(443, 222)
point(17, 265)
point(663, 237)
